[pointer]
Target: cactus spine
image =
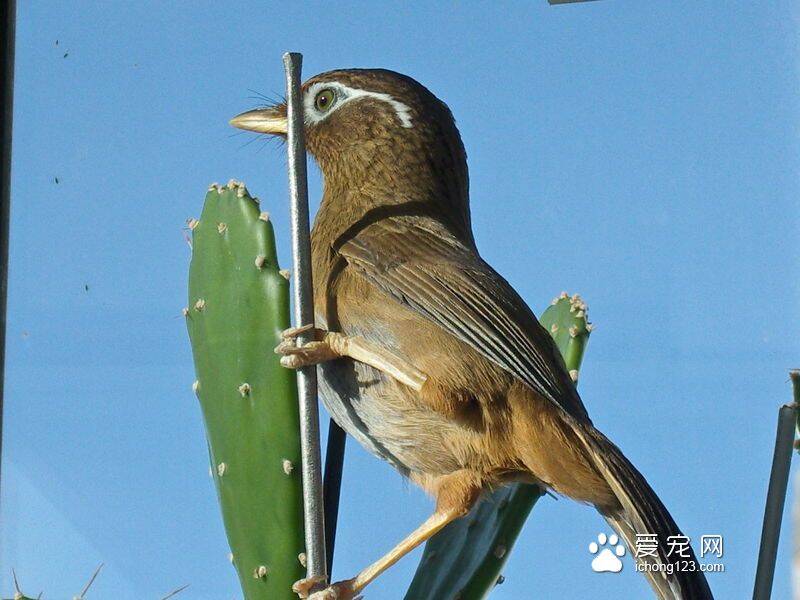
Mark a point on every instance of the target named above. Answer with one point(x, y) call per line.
point(238, 306)
point(465, 559)
point(18, 595)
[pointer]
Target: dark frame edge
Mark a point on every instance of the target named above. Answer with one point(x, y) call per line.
point(9, 28)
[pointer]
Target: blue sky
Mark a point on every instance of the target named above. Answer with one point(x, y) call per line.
point(642, 153)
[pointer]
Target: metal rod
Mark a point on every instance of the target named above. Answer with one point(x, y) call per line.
point(316, 564)
point(332, 485)
point(9, 19)
point(776, 496)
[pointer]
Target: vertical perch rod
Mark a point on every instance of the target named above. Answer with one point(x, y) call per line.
point(776, 495)
point(332, 485)
point(304, 314)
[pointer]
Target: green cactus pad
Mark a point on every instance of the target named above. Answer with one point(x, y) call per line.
point(464, 561)
point(238, 306)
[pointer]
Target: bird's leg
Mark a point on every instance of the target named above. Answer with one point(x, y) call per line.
point(455, 495)
point(329, 345)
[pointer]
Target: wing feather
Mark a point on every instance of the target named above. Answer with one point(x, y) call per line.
point(425, 267)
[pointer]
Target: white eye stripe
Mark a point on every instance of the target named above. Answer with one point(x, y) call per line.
point(345, 94)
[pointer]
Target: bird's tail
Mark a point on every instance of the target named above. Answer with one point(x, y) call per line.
point(672, 570)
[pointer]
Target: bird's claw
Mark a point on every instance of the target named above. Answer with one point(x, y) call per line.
point(303, 588)
point(292, 333)
point(295, 355)
point(341, 590)
point(312, 353)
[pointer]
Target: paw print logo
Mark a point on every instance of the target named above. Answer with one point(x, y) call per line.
point(607, 560)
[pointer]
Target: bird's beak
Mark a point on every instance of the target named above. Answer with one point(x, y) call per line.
point(270, 120)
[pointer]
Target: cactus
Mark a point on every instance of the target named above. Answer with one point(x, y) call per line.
point(18, 595)
point(464, 560)
point(238, 306)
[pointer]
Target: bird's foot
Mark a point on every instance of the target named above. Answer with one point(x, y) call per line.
point(303, 588)
point(295, 356)
point(341, 590)
point(329, 345)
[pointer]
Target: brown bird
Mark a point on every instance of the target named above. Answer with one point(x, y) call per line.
point(426, 355)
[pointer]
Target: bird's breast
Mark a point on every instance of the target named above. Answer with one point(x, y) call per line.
point(388, 418)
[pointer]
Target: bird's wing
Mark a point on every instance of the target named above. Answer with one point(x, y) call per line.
point(422, 265)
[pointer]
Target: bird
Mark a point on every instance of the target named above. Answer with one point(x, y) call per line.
point(425, 354)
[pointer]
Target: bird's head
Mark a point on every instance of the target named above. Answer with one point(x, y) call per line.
point(378, 130)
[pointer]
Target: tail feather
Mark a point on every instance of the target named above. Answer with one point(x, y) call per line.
point(672, 577)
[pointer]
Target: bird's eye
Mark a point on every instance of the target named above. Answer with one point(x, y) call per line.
point(324, 100)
